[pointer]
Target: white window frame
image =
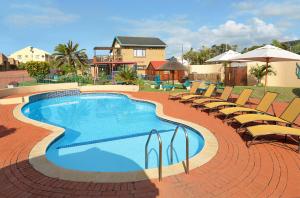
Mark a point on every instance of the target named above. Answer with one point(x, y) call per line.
point(139, 52)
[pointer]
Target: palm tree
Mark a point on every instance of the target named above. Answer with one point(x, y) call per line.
point(260, 71)
point(127, 76)
point(69, 54)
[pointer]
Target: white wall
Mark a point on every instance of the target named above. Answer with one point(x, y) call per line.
point(285, 74)
point(285, 77)
point(30, 54)
point(207, 69)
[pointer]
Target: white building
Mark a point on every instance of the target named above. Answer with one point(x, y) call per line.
point(30, 54)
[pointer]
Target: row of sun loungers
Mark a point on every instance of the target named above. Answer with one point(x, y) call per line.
point(265, 123)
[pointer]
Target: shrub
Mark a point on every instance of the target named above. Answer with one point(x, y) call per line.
point(127, 76)
point(261, 71)
point(37, 69)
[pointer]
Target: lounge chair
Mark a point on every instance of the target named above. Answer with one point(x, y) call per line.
point(193, 90)
point(224, 97)
point(288, 116)
point(264, 130)
point(240, 101)
point(157, 81)
point(207, 94)
point(262, 107)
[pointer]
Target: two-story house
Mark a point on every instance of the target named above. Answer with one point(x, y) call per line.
point(30, 54)
point(132, 51)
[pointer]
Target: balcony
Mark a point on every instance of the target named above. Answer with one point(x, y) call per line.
point(107, 59)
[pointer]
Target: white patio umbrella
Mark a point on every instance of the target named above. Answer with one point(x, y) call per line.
point(268, 53)
point(224, 57)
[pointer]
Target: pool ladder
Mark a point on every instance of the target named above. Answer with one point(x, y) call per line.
point(171, 149)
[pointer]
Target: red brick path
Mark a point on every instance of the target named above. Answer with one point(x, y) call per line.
point(263, 170)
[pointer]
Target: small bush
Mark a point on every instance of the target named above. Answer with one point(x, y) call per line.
point(38, 70)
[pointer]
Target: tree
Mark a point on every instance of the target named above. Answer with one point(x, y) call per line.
point(201, 56)
point(251, 48)
point(191, 56)
point(69, 55)
point(276, 43)
point(260, 71)
point(37, 69)
point(296, 48)
point(127, 75)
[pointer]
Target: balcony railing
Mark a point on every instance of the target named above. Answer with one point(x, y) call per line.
point(107, 58)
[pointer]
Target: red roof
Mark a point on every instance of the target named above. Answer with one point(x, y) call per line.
point(157, 64)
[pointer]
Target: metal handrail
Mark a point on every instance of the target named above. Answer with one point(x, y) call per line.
point(160, 152)
point(186, 145)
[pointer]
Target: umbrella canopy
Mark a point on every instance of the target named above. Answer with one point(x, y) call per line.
point(268, 53)
point(225, 57)
point(172, 65)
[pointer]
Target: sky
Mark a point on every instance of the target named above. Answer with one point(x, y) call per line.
point(192, 24)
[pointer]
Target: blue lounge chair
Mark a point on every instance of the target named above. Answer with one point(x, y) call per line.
point(157, 81)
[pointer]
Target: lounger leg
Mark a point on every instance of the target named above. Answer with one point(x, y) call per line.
point(238, 129)
point(251, 142)
point(226, 117)
point(299, 145)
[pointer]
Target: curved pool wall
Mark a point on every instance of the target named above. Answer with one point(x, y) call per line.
point(37, 156)
point(107, 132)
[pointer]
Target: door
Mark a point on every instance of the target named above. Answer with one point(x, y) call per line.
point(236, 76)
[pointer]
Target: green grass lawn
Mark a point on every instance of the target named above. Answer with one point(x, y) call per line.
point(28, 83)
point(285, 93)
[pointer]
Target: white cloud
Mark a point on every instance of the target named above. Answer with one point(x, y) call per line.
point(288, 9)
point(176, 31)
point(45, 15)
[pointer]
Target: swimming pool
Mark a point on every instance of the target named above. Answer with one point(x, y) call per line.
point(107, 132)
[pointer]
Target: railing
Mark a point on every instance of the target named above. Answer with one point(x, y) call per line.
point(160, 152)
point(186, 147)
point(107, 58)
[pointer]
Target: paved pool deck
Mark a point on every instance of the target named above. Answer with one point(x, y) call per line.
point(263, 170)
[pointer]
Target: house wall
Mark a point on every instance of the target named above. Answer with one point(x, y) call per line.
point(24, 55)
point(4, 64)
point(285, 73)
point(157, 54)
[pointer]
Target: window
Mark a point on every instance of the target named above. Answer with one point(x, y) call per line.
point(37, 56)
point(139, 52)
point(141, 67)
point(26, 56)
point(43, 56)
point(19, 56)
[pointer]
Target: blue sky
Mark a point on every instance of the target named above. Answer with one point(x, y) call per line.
point(193, 23)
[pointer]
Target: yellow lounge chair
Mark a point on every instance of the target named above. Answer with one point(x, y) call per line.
point(208, 93)
point(288, 116)
point(240, 101)
point(263, 130)
point(193, 90)
point(224, 97)
point(262, 107)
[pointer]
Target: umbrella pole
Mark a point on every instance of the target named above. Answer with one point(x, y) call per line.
point(266, 77)
point(173, 73)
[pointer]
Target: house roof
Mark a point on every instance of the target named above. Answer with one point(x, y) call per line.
point(140, 41)
point(157, 64)
point(29, 48)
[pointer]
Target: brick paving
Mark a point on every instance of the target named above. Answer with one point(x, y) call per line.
point(263, 170)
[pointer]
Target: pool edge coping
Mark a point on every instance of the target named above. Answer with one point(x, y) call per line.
point(37, 155)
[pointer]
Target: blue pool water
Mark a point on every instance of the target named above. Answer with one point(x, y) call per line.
point(108, 132)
